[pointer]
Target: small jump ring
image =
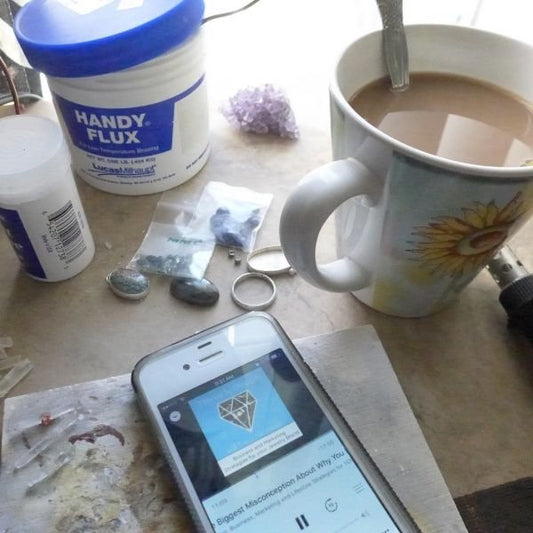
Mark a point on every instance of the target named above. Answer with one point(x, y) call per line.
point(253, 307)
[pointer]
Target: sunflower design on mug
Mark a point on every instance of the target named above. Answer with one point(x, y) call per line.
point(456, 246)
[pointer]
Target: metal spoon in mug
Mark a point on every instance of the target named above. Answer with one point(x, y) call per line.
point(394, 43)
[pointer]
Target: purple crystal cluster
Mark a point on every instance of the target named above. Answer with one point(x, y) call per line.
point(262, 110)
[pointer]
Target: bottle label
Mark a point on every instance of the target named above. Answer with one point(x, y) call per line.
point(50, 235)
point(21, 242)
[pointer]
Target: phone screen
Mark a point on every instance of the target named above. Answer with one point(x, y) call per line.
point(263, 456)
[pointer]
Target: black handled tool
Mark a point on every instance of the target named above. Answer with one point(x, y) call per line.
point(516, 285)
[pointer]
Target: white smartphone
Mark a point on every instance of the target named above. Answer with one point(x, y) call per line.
point(254, 442)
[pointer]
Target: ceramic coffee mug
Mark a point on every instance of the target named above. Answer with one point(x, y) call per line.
point(412, 229)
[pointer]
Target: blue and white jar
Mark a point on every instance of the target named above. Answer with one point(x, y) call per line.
point(127, 78)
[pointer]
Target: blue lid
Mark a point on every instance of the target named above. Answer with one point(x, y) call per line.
point(74, 38)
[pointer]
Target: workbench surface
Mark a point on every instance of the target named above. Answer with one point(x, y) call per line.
point(467, 377)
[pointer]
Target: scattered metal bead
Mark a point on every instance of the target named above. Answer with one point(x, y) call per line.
point(128, 283)
point(194, 291)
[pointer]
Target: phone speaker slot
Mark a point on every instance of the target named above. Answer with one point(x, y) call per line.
point(210, 358)
point(203, 345)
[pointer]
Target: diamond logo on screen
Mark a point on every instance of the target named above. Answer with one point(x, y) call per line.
point(239, 410)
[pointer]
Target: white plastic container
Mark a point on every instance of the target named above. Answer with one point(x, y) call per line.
point(40, 207)
point(128, 85)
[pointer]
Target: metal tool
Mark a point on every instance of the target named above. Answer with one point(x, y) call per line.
point(516, 285)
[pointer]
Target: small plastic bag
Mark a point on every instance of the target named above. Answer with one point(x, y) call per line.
point(233, 214)
point(174, 245)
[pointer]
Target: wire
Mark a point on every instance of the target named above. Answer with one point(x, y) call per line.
point(11, 85)
point(227, 13)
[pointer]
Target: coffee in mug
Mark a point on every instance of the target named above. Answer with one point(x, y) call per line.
point(439, 110)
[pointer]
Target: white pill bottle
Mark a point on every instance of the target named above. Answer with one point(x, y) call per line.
point(127, 78)
point(40, 207)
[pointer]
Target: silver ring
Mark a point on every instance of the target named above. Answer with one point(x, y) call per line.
point(253, 307)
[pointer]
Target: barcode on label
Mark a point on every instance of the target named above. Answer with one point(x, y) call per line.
point(66, 231)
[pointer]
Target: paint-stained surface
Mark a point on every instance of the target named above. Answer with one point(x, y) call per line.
point(115, 479)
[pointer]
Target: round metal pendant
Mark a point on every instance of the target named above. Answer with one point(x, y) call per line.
point(269, 260)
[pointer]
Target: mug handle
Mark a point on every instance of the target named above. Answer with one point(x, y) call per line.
point(306, 210)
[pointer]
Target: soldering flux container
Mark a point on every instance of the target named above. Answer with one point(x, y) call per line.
point(127, 79)
point(40, 207)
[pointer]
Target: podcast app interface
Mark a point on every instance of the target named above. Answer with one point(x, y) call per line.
point(277, 463)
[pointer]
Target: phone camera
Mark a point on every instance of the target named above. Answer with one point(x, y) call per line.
point(186, 366)
point(175, 417)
